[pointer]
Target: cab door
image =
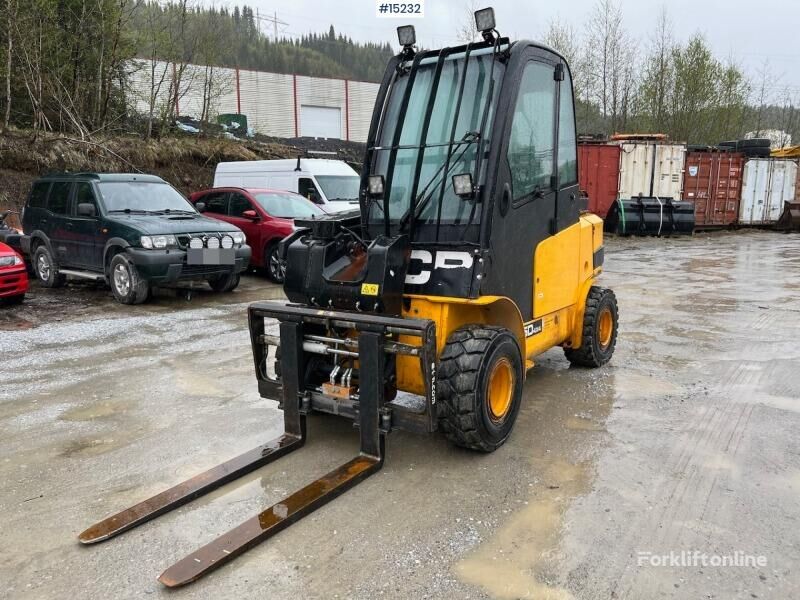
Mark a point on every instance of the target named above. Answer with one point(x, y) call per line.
point(251, 224)
point(526, 187)
point(57, 223)
point(87, 244)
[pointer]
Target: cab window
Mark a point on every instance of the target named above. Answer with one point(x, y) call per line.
point(39, 194)
point(567, 144)
point(216, 202)
point(307, 189)
point(58, 202)
point(238, 205)
point(531, 147)
point(84, 195)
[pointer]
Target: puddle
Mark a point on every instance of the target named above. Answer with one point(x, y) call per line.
point(520, 559)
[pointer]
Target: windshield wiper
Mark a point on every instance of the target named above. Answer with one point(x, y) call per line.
point(469, 138)
point(129, 211)
point(172, 211)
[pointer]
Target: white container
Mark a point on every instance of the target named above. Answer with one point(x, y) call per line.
point(651, 169)
point(768, 183)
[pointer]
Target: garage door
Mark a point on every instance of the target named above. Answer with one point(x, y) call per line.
point(320, 121)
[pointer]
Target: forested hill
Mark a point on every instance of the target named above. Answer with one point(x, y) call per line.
point(231, 37)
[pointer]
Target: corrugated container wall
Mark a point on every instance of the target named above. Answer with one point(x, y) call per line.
point(598, 175)
point(713, 182)
point(652, 170)
point(768, 183)
point(274, 103)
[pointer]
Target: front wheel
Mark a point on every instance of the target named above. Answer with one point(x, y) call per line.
point(480, 386)
point(126, 283)
point(599, 336)
point(276, 267)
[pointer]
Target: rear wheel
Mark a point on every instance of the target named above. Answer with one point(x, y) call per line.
point(224, 283)
point(480, 386)
point(599, 338)
point(126, 283)
point(276, 267)
point(46, 268)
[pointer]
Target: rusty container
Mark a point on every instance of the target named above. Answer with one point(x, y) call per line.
point(713, 182)
point(598, 175)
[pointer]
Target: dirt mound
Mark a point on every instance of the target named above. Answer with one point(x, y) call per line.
point(186, 161)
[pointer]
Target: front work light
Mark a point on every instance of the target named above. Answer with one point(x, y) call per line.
point(406, 35)
point(375, 185)
point(462, 185)
point(484, 19)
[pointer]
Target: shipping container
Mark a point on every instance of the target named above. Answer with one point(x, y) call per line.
point(651, 169)
point(768, 184)
point(713, 182)
point(598, 174)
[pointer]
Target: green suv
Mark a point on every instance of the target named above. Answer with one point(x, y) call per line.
point(133, 231)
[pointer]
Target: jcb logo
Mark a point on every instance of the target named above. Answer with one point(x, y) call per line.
point(445, 259)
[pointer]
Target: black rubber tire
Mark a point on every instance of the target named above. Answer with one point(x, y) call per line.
point(591, 353)
point(14, 300)
point(138, 289)
point(270, 254)
point(225, 283)
point(462, 386)
point(50, 278)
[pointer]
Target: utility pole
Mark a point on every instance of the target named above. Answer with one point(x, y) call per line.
point(275, 22)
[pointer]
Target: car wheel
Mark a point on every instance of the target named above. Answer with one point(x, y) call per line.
point(47, 269)
point(126, 284)
point(276, 267)
point(224, 283)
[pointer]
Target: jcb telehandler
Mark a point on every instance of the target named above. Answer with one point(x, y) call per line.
point(469, 257)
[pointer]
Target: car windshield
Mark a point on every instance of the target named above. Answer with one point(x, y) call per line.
point(339, 187)
point(142, 196)
point(287, 206)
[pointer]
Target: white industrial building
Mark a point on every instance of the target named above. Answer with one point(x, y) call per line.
point(275, 104)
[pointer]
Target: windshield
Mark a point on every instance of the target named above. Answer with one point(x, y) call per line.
point(142, 196)
point(339, 187)
point(286, 206)
point(454, 210)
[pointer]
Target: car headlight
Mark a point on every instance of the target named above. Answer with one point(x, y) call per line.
point(10, 261)
point(238, 238)
point(227, 242)
point(213, 243)
point(159, 242)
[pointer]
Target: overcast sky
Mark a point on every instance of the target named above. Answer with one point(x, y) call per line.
point(751, 32)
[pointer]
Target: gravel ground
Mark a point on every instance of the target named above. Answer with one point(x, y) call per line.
point(685, 442)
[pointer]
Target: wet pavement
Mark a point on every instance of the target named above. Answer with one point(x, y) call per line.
point(685, 443)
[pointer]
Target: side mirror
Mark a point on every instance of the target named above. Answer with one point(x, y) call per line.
point(314, 198)
point(86, 209)
point(250, 214)
point(200, 206)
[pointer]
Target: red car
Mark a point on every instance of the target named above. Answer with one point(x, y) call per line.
point(265, 217)
point(13, 276)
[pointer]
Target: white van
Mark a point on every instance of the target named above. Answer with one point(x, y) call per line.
point(333, 184)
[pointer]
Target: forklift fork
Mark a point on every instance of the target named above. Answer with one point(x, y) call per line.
point(294, 507)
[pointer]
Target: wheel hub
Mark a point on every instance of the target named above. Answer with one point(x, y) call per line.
point(500, 389)
point(43, 265)
point(122, 279)
point(605, 328)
